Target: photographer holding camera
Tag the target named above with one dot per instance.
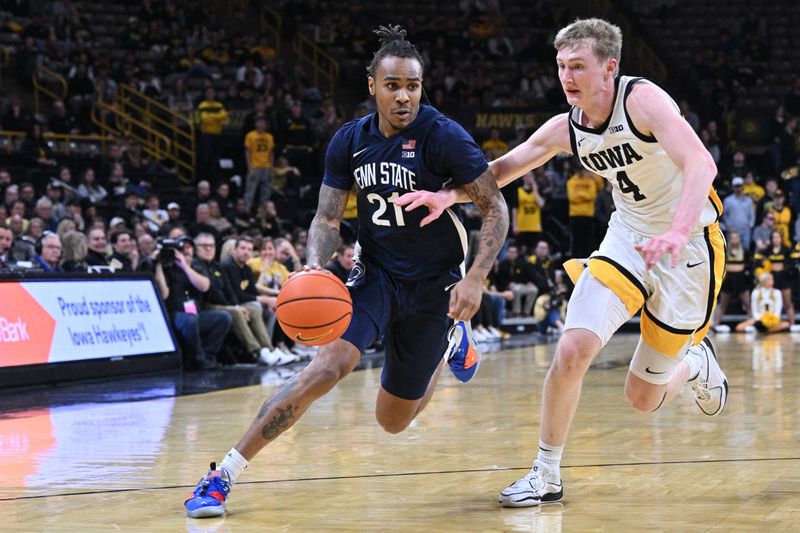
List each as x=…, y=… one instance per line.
x=183, y=290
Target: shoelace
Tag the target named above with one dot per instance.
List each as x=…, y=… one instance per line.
x=700, y=389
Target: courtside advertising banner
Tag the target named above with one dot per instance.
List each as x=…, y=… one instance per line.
x=51, y=321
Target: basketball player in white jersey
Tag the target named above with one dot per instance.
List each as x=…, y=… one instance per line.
x=663, y=253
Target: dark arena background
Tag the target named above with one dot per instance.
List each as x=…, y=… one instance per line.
x=128, y=131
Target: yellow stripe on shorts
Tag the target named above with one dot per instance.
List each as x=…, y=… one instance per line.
x=661, y=337
x=716, y=255
x=620, y=281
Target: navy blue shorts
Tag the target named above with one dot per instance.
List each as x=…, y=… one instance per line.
x=410, y=316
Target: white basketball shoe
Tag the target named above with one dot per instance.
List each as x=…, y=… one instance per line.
x=710, y=386
x=537, y=487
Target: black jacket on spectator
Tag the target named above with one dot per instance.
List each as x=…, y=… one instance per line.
x=338, y=270
x=181, y=290
x=96, y=259
x=125, y=261
x=241, y=280
x=221, y=292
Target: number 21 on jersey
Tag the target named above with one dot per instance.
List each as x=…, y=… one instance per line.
x=380, y=217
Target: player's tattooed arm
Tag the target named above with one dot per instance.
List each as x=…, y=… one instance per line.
x=487, y=197
x=323, y=235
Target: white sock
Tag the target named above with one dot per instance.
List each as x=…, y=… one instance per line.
x=551, y=456
x=233, y=464
x=694, y=359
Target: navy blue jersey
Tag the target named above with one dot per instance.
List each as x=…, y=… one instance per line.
x=431, y=151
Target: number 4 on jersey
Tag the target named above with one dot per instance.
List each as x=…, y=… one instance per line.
x=626, y=186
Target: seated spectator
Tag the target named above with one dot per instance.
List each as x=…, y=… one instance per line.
x=73, y=258
x=736, y=283
x=156, y=217
x=521, y=282
x=248, y=324
x=98, y=253
x=62, y=121
x=44, y=210
x=342, y=262
x=173, y=218
x=285, y=177
x=122, y=245
x=215, y=218
x=767, y=304
x=783, y=217
x=6, y=242
x=64, y=226
x=762, y=232
x=48, y=253
x=268, y=221
x=202, y=332
x=146, y=246
x=287, y=254
x=54, y=194
x=551, y=308
x=777, y=259
x=494, y=146
x=242, y=220
x=241, y=279
x=224, y=199
x=36, y=150
x=202, y=222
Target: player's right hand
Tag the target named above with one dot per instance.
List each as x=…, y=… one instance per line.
x=436, y=202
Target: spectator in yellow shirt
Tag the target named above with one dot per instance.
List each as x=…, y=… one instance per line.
x=581, y=194
x=494, y=146
x=212, y=116
x=753, y=189
x=259, y=147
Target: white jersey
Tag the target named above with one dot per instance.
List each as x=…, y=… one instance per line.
x=765, y=300
x=647, y=184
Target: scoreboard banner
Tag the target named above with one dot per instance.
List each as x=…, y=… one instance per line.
x=53, y=321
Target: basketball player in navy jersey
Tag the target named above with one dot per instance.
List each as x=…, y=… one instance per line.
x=407, y=285
x=663, y=252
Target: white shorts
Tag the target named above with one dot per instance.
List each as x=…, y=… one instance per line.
x=676, y=303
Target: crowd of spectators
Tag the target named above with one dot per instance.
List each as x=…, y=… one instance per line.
x=109, y=210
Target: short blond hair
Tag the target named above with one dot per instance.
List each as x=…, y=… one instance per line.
x=605, y=38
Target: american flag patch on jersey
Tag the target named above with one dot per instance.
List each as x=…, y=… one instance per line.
x=410, y=144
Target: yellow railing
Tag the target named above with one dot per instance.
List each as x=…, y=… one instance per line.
x=179, y=129
x=272, y=23
x=163, y=133
x=42, y=76
x=324, y=67
x=63, y=143
x=113, y=122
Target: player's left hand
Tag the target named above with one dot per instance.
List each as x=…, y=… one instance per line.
x=436, y=202
x=465, y=299
x=671, y=242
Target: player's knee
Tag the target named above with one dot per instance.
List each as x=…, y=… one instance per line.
x=392, y=425
x=572, y=356
x=644, y=400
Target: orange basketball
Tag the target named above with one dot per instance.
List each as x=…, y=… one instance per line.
x=314, y=307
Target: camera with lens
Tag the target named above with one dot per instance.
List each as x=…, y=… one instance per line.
x=166, y=250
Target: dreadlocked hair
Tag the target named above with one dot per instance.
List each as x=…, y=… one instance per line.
x=393, y=43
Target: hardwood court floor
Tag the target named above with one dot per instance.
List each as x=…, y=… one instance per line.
x=129, y=465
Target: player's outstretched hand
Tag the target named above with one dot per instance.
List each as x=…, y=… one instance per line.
x=436, y=202
x=465, y=299
x=671, y=242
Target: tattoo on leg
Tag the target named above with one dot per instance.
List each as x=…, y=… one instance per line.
x=279, y=395
x=279, y=423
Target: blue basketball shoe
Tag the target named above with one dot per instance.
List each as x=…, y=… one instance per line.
x=462, y=352
x=208, y=499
